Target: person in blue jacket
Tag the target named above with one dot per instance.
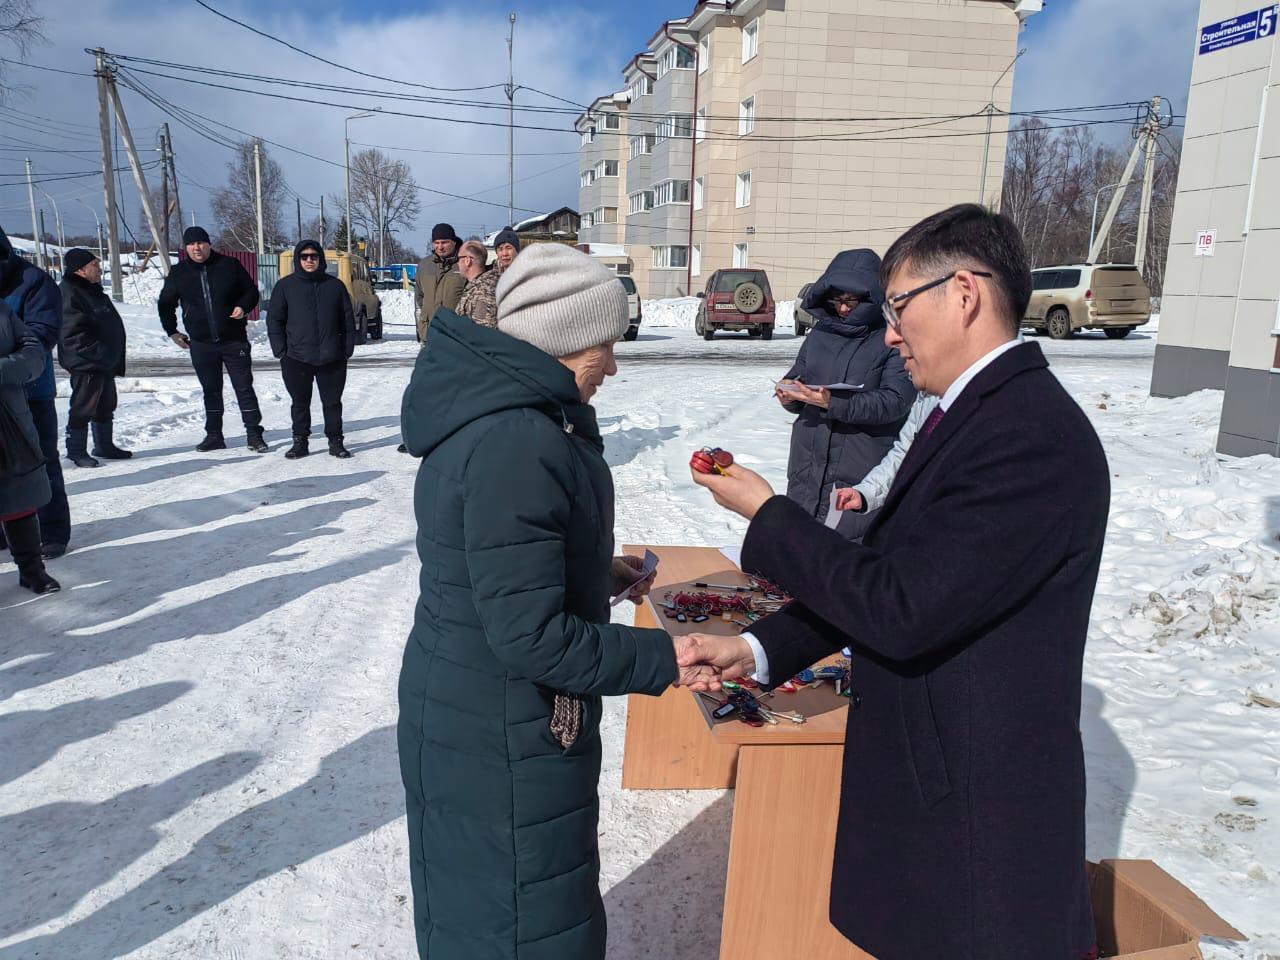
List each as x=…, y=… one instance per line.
x=34, y=297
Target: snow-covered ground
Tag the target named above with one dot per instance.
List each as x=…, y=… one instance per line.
x=199, y=730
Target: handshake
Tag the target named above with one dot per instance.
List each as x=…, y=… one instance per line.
x=706, y=661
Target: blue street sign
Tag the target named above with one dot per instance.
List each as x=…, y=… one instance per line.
x=1249, y=26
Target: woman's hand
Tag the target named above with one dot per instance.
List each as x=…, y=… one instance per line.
x=816, y=397
x=625, y=569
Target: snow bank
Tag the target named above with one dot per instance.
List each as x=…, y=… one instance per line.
x=142, y=287
x=397, y=307
x=679, y=313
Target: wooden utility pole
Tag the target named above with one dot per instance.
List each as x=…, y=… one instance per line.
x=257, y=179
x=298, y=201
x=139, y=179
x=108, y=176
x=43, y=248
x=36, y=233
x=164, y=195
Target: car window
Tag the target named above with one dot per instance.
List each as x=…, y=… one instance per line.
x=730, y=280
x=1068, y=279
x=628, y=284
x=1044, y=279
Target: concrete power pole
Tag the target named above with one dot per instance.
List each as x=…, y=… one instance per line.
x=164, y=195
x=102, y=72
x=36, y=235
x=139, y=179
x=1151, y=133
x=257, y=180
x=1146, y=135
x=172, y=167
x=322, y=223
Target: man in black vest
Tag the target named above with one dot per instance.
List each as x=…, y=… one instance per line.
x=91, y=349
x=313, y=333
x=217, y=295
x=961, y=818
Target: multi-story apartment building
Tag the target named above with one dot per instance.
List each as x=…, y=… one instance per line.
x=775, y=133
x=602, y=184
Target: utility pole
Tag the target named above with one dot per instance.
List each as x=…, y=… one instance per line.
x=139, y=179
x=173, y=175
x=323, y=234
x=36, y=234
x=382, y=226
x=102, y=72
x=97, y=221
x=991, y=109
x=257, y=182
x=1151, y=133
x=298, y=201
x=346, y=126
x=62, y=235
x=511, y=122
x=1146, y=135
x=164, y=194
x=43, y=247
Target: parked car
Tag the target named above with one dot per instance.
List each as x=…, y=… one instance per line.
x=353, y=270
x=1111, y=297
x=633, y=308
x=737, y=299
x=804, y=319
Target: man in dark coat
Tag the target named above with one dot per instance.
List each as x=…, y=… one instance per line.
x=34, y=297
x=216, y=295
x=961, y=819
x=313, y=334
x=839, y=435
x=91, y=349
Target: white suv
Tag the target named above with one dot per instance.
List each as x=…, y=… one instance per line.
x=1111, y=297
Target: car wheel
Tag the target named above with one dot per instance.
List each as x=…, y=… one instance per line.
x=1117, y=333
x=801, y=330
x=766, y=333
x=754, y=333
x=375, y=328
x=631, y=334
x=708, y=332
x=362, y=327
x=1058, y=324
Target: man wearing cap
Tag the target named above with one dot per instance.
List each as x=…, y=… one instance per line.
x=439, y=283
x=505, y=247
x=91, y=349
x=216, y=294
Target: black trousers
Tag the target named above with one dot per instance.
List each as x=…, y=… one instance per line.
x=55, y=516
x=93, y=399
x=209, y=360
x=298, y=379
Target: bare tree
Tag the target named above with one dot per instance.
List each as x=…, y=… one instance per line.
x=234, y=207
x=384, y=196
x=22, y=28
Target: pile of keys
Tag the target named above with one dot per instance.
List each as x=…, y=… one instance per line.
x=837, y=673
x=701, y=607
x=747, y=707
x=711, y=460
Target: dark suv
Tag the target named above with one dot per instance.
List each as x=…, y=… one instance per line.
x=736, y=299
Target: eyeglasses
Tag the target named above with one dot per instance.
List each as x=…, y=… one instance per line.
x=846, y=300
x=310, y=256
x=893, y=304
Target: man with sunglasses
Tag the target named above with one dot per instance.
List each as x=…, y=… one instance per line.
x=961, y=826
x=217, y=295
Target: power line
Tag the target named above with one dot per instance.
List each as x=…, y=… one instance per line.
x=464, y=153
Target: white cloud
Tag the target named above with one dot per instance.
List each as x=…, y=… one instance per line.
x=446, y=50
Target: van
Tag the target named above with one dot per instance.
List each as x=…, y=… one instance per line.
x=353, y=270
x=1111, y=297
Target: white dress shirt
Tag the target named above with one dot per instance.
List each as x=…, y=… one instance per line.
x=957, y=387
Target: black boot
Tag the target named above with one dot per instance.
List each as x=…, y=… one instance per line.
x=336, y=449
x=77, y=447
x=301, y=447
x=255, y=440
x=211, y=441
x=104, y=445
x=402, y=449
x=52, y=551
x=24, y=542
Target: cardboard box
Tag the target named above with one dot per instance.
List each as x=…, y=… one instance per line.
x=1142, y=913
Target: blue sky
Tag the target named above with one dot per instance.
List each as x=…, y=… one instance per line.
x=1079, y=52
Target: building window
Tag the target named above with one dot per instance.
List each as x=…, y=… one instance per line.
x=639, y=202
x=739, y=254
x=587, y=178
x=695, y=259
x=588, y=136
x=746, y=116
x=612, y=121
x=606, y=168
x=700, y=128
x=743, y=198
x=587, y=221
x=641, y=86
x=604, y=215
x=750, y=40
x=674, y=58
x=698, y=198
x=678, y=125
x=704, y=54
x=671, y=191
x=641, y=145
x=670, y=258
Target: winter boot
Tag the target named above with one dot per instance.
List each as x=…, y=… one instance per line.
x=336, y=449
x=24, y=542
x=211, y=441
x=77, y=444
x=255, y=440
x=402, y=449
x=301, y=447
x=52, y=551
x=103, y=444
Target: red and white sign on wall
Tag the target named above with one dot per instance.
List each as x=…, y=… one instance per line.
x=1206, y=240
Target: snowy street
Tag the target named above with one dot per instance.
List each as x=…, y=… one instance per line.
x=199, y=731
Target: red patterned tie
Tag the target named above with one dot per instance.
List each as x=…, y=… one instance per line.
x=935, y=418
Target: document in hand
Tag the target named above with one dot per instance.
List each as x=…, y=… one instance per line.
x=798, y=388
x=650, y=565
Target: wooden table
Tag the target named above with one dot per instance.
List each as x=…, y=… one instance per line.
x=786, y=780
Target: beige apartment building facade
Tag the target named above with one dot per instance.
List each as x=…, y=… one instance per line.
x=1220, y=313
x=774, y=133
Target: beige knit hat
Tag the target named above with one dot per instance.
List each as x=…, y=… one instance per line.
x=560, y=300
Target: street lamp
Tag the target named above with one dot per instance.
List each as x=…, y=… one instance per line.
x=96, y=220
x=991, y=109
x=347, y=133
x=62, y=237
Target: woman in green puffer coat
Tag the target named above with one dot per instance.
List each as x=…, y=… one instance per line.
x=512, y=648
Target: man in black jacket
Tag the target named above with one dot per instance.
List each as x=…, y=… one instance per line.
x=313, y=333
x=91, y=348
x=216, y=294
x=961, y=818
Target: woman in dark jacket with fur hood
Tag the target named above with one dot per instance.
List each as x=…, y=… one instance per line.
x=841, y=432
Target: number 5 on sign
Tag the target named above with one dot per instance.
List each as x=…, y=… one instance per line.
x=1267, y=20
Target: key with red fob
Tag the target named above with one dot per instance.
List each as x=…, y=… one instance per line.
x=711, y=460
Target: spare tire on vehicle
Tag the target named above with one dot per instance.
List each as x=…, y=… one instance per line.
x=748, y=297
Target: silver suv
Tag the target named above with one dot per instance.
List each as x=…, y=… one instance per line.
x=1110, y=297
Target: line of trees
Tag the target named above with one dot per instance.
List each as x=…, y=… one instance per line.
x=1051, y=180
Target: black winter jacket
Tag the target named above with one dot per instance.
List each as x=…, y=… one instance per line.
x=213, y=288
x=841, y=444
x=310, y=318
x=92, y=338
